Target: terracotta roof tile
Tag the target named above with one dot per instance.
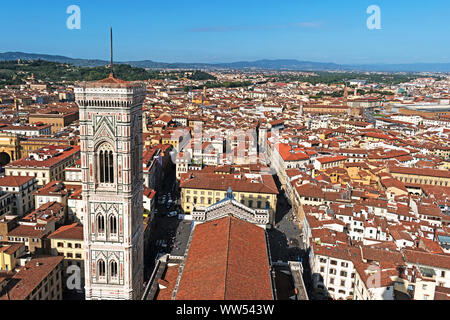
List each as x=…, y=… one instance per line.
x=227, y=260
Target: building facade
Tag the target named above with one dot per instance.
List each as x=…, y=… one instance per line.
x=21, y=188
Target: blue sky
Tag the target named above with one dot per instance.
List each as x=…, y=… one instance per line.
x=232, y=30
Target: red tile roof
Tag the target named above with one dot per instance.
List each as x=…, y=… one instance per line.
x=227, y=260
x=26, y=232
x=332, y=159
x=211, y=181
x=427, y=259
x=47, y=163
x=290, y=154
x=72, y=232
x=420, y=172
x=168, y=281
x=31, y=275
x=14, y=181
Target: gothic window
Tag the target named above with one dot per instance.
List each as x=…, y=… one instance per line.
x=100, y=224
x=113, y=269
x=113, y=224
x=135, y=159
x=101, y=268
x=105, y=164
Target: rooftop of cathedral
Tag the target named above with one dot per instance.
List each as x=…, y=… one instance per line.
x=227, y=259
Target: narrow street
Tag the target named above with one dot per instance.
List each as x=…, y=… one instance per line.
x=167, y=234
x=286, y=238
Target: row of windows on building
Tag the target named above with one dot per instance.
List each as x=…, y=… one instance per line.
x=47, y=284
x=24, y=240
x=209, y=202
x=70, y=255
x=424, y=181
x=334, y=262
x=210, y=193
x=69, y=245
x=333, y=272
x=30, y=174
x=340, y=291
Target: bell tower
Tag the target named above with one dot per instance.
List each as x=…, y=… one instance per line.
x=112, y=186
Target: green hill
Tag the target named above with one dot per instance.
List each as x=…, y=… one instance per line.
x=12, y=72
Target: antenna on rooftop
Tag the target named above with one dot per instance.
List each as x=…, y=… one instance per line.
x=112, y=64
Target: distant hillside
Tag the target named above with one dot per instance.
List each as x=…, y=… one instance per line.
x=52, y=58
x=415, y=67
x=278, y=64
x=13, y=73
x=282, y=65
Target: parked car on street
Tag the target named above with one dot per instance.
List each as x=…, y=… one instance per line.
x=172, y=214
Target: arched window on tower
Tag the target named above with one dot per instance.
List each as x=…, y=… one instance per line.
x=113, y=269
x=111, y=167
x=101, y=268
x=113, y=225
x=135, y=160
x=101, y=167
x=100, y=224
x=105, y=164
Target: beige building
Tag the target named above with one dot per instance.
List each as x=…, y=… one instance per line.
x=206, y=189
x=416, y=284
x=21, y=189
x=57, y=120
x=46, y=164
x=68, y=242
x=10, y=149
x=421, y=176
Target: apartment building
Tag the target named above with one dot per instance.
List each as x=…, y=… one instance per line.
x=438, y=263
x=6, y=201
x=55, y=191
x=22, y=189
x=421, y=175
x=256, y=191
x=9, y=255
x=46, y=164
x=67, y=241
x=56, y=120
x=333, y=271
x=39, y=279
